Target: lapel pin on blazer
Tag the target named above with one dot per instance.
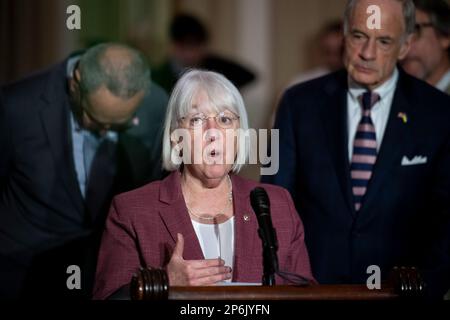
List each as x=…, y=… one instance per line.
x=246, y=217
x=403, y=116
x=135, y=121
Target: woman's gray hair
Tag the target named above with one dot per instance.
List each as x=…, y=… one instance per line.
x=124, y=79
x=409, y=15
x=222, y=94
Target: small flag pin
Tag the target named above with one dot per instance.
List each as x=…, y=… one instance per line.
x=403, y=116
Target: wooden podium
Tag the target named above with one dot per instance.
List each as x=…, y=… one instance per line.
x=153, y=285
x=313, y=292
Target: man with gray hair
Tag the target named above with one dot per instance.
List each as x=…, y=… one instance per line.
x=365, y=153
x=429, y=57
x=72, y=137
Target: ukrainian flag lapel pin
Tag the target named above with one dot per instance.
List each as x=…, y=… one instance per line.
x=403, y=116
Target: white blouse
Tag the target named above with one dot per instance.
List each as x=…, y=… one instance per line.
x=216, y=240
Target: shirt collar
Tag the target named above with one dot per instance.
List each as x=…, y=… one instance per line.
x=444, y=82
x=75, y=125
x=383, y=90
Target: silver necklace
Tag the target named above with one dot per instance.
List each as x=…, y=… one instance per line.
x=222, y=212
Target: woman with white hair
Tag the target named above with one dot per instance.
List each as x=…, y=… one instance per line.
x=198, y=222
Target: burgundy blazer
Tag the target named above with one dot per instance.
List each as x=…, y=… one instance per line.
x=142, y=226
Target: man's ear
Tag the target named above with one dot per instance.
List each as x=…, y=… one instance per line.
x=74, y=82
x=73, y=86
x=406, y=45
x=77, y=75
x=444, y=41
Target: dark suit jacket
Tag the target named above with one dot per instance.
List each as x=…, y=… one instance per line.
x=406, y=210
x=41, y=206
x=142, y=226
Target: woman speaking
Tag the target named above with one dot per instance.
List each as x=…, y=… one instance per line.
x=198, y=223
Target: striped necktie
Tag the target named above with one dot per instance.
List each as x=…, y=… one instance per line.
x=364, y=150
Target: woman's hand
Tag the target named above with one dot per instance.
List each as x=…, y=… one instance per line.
x=195, y=272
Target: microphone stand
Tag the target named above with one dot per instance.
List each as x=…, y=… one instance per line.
x=261, y=205
x=270, y=262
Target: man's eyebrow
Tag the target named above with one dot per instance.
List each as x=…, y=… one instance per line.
x=355, y=30
x=385, y=38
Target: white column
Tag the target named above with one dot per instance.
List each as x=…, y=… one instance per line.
x=254, y=47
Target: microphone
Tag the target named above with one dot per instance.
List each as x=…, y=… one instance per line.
x=261, y=205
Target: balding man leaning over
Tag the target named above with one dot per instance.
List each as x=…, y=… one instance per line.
x=71, y=138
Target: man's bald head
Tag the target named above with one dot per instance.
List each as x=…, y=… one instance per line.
x=121, y=69
x=108, y=86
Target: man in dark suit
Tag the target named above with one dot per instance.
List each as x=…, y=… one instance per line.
x=365, y=153
x=71, y=138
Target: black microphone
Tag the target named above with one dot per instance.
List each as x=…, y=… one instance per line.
x=261, y=205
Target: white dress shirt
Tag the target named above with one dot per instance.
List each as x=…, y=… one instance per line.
x=216, y=240
x=380, y=111
x=444, y=83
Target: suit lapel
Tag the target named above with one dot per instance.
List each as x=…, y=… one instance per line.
x=245, y=228
x=334, y=117
x=176, y=217
x=56, y=121
x=126, y=175
x=392, y=147
x=133, y=162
